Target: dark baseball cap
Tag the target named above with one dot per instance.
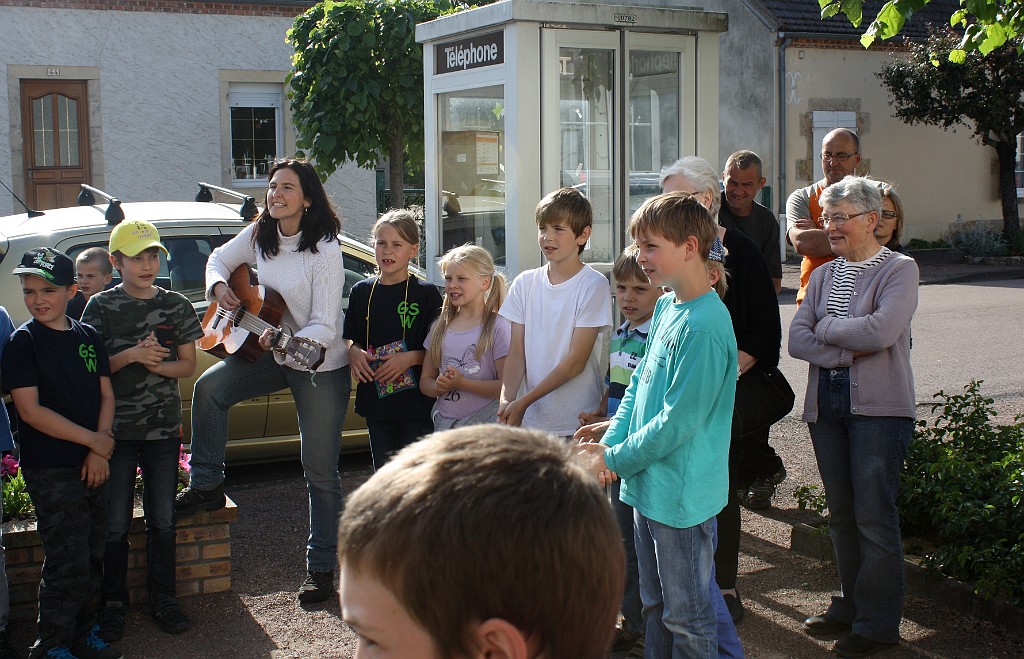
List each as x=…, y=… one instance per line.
x=52, y=265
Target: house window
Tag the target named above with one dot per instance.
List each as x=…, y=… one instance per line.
x=825, y=123
x=256, y=130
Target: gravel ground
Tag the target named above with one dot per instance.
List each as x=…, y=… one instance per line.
x=261, y=618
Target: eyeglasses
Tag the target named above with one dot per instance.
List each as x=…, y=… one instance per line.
x=839, y=219
x=888, y=215
x=837, y=157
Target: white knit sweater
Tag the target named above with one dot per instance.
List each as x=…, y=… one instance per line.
x=310, y=283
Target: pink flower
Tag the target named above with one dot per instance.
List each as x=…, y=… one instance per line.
x=9, y=466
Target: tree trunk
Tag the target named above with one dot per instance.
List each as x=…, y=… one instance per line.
x=1008, y=191
x=396, y=170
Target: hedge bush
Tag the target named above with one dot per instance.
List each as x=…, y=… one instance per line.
x=962, y=492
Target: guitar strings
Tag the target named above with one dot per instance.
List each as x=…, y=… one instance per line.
x=249, y=322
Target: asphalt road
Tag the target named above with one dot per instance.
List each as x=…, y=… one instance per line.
x=961, y=332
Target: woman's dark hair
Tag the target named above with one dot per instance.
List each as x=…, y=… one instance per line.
x=318, y=223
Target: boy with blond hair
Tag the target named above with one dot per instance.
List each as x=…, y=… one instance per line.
x=558, y=311
x=150, y=335
x=439, y=551
x=669, y=439
x=57, y=372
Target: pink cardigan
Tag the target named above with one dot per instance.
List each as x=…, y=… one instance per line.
x=883, y=303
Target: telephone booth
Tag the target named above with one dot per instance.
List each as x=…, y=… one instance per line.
x=523, y=97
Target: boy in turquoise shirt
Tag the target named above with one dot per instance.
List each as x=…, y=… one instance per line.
x=669, y=439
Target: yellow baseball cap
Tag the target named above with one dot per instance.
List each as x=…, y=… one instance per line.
x=133, y=236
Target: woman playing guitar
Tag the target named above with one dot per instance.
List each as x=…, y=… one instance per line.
x=294, y=244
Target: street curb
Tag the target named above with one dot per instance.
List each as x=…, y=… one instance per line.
x=808, y=541
x=987, y=275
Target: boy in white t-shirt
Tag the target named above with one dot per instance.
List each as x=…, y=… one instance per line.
x=557, y=312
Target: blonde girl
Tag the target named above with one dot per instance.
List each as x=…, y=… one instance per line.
x=468, y=343
x=387, y=322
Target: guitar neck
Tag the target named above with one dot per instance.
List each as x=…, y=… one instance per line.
x=250, y=322
x=304, y=351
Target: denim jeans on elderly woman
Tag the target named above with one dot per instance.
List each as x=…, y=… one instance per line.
x=860, y=459
x=320, y=402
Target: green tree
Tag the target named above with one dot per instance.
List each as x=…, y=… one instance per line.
x=356, y=85
x=986, y=24
x=985, y=93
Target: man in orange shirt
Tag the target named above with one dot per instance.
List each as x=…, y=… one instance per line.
x=840, y=156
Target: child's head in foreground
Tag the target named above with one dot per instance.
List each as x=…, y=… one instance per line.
x=475, y=541
x=566, y=207
x=94, y=271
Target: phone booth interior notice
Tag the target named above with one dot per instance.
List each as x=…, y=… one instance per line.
x=522, y=97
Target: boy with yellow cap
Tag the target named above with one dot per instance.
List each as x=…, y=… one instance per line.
x=150, y=334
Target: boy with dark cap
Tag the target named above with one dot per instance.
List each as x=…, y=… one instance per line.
x=57, y=372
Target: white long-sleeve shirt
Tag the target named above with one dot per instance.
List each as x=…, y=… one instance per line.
x=310, y=282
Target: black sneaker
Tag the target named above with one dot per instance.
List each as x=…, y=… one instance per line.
x=735, y=606
x=171, y=618
x=318, y=587
x=624, y=640
x=638, y=649
x=94, y=647
x=7, y=650
x=110, y=620
x=759, y=495
x=191, y=500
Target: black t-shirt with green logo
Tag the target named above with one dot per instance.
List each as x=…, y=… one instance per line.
x=394, y=316
x=65, y=367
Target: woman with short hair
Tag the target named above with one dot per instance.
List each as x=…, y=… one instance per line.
x=854, y=331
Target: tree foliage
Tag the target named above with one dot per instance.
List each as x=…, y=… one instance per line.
x=985, y=93
x=986, y=24
x=356, y=85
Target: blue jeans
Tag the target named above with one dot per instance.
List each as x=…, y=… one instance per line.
x=729, y=646
x=675, y=574
x=320, y=402
x=631, y=607
x=159, y=462
x=860, y=458
x=388, y=436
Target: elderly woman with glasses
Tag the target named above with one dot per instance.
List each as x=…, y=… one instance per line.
x=890, y=222
x=854, y=330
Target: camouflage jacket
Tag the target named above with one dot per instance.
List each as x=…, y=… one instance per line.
x=148, y=405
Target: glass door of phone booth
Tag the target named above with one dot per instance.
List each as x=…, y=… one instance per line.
x=622, y=115
x=517, y=108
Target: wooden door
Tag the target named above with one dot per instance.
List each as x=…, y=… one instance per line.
x=55, y=128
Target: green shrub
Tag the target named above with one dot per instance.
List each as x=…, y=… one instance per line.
x=16, y=502
x=974, y=238
x=962, y=490
x=812, y=497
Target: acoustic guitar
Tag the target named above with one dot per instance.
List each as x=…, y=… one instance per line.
x=237, y=331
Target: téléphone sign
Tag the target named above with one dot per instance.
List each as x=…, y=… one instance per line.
x=472, y=53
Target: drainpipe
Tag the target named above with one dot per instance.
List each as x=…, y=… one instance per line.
x=783, y=193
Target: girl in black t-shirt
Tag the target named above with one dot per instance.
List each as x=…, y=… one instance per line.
x=388, y=318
